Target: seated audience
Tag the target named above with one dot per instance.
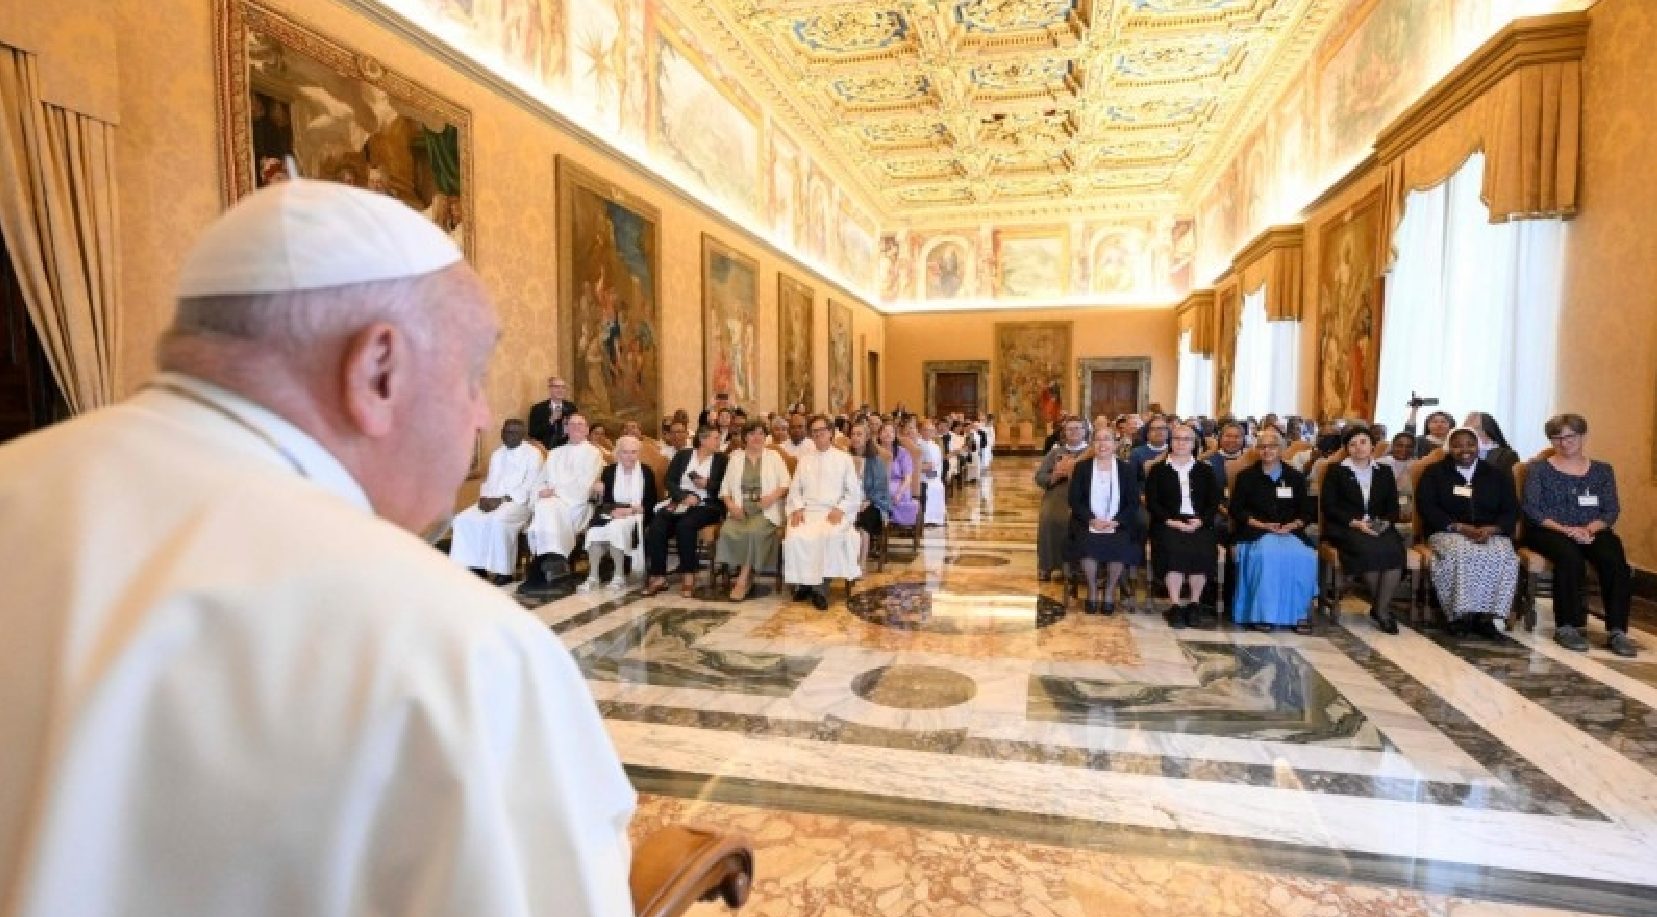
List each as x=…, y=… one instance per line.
x=1104, y=520
x=1182, y=496
x=694, y=479
x=1054, y=437
x=1229, y=449
x=900, y=485
x=625, y=504
x=1053, y=477
x=563, y=503
x=484, y=538
x=1360, y=519
x=675, y=440
x=931, y=470
x=1439, y=425
x=1570, y=505
x=1493, y=446
x=1277, y=569
x=756, y=481
x=1467, y=510
x=986, y=442
x=599, y=436
x=1154, y=447
x=871, y=464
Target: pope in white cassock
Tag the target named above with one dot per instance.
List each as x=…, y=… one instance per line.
x=235, y=680
x=563, y=498
x=822, y=541
x=485, y=536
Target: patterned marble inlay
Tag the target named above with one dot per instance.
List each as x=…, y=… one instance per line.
x=978, y=560
x=954, y=610
x=914, y=687
x=660, y=649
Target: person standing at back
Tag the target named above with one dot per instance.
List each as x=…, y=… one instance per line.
x=547, y=418
x=236, y=681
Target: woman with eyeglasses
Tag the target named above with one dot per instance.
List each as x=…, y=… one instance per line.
x=1467, y=509
x=1570, y=505
x=1182, y=497
x=1277, y=570
x=1104, y=519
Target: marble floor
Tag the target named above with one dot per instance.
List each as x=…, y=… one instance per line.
x=957, y=739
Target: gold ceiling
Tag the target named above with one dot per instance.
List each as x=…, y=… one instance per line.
x=946, y=111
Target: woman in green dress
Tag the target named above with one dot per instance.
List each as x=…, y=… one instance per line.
x=756, y=480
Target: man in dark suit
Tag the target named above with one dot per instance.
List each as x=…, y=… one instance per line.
x=546, y=418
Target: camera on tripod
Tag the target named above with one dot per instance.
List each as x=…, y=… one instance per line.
x=1416, y=401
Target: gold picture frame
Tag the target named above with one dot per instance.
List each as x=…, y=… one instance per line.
x=730, y=323
x=796, y=335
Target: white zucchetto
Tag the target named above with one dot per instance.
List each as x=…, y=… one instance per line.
x=312, y=235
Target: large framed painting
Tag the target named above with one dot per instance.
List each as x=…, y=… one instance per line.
x=286, y=92
x=1032, y=361
x=839, y=358
x=1378, y=60
x=730, y=322
x=1350, y=294
x=796, y=315
x=1032, y=263
x=609, y=298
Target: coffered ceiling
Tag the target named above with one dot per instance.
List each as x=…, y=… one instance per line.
x=943, y=111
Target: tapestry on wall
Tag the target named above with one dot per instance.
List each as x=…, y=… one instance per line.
x=795, y=316
x=286, y=91
x=1031, y=360
x=840, y=359
x=609, y=336
x=1366, y=76
x=730, y=323
x=1350, y=290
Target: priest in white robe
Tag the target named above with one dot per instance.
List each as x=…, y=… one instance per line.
x=822, y=542
x=563, y=499
x=986, y=451
x=932, y=464
x=485, y=536
x=236, y=680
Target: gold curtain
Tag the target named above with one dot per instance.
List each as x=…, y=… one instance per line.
x=1228, y=308
x=1518, y=99
x=1196, y=315
x=1276, y=260
x=58, y=215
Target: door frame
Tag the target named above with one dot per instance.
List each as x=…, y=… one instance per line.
x=931, y=368
x=1086, y=366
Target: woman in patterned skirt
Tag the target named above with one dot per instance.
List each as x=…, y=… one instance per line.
x=1468, y=510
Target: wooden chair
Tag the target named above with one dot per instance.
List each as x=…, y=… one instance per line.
x=1532, y=564
x=1331, y=577
x=917, y=489
x=679, y=866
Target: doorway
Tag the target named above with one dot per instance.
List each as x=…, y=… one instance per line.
x=1114, y=385
x=29, y=396
x=871, y=381
x=955, y=386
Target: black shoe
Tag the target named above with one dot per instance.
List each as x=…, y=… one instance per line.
x=1107, y=608
x=819, y=600
x=800, y=593
x=1457, y=628
x=1197, y=615
x=500, y=579
x=1485, y=627
x=1175, y=616
x=1384, y=622
x=553, y=567
x=1090, y=607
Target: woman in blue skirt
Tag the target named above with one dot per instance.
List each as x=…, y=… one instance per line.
x=1277, y=568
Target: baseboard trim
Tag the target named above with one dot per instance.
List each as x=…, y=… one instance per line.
x=1645, y=584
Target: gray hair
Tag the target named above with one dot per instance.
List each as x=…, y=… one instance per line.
x=295, y=320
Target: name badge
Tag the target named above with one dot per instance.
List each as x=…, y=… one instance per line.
x=1463, y=490
x=1588, y=500
x=1285, y=492
x=1403, y=500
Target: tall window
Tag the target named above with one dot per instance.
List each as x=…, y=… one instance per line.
x=1472, y=311
x=1195, y=395
x=1266, y=373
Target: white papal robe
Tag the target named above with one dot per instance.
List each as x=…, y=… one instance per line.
x=570, y=472
x=817, y=549
x=934, y=510
x=489, y=541
x=231, y=689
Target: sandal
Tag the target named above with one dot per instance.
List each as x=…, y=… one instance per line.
x=655, y=585
x=687, y=589
x=740, y=590
x=1304, y=628
x=1261, y=628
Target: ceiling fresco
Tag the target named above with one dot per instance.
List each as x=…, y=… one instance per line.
x=938, y=111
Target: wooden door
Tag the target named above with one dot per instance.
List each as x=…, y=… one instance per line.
x=955, y=392
x=1113, y=392
x=29, y=397
x=871, y=384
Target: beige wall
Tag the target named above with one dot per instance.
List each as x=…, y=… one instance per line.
x=1608, y=353
x=1100, y=332
x=170, y=189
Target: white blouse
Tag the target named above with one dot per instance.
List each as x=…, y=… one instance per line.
x=629, y=487
x=697, y=465
x=1365, y=474
x=1184, y=473
x=1107, y=496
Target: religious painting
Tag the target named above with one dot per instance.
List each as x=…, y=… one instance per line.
x=817, y=209
x=1032, y=360
x=287, y=93
x=1371, y=72
x=1032, y=263
x=839, y=358
x=730, y=323
x=948, y=263
x=1178, y=275
x=783, y=173
x=609, y=262
x=1227, y=304
x=1350, y=289
x=892, y=277
x=796, y=314
x=857, y=245
x=1118, y=261
x=607, y=82
x=700, y=131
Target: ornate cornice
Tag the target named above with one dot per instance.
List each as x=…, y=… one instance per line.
x=1292, y=236
x=1196, y=299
